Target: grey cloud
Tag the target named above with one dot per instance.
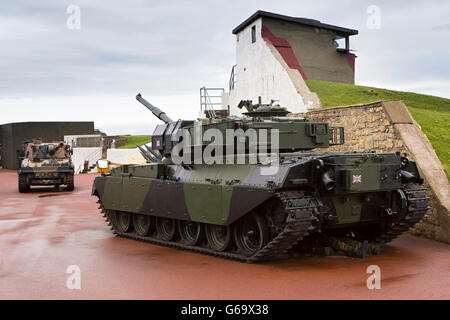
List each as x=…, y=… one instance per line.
x=442, y=27
x=175, y=47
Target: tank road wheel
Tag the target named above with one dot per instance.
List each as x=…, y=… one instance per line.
x=167, y=228
x=191, y=232
x=251, y=234
x=23, y=185
x=70, y=182
x=123, y=221
x=143, y=224
x=219, y=237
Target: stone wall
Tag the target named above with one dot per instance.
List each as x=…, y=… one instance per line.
x=105, y=141
x=387, y=126
x=366, y=127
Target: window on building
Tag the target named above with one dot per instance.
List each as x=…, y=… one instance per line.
x=253, y=34
x=340, y=43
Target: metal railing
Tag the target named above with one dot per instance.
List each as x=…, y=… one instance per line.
x=232, y=80
x=92, y=159
x=210, y=97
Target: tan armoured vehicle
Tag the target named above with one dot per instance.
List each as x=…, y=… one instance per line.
x=44, y=164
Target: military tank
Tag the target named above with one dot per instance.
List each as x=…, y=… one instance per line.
x=44, y=164
x=255, y=210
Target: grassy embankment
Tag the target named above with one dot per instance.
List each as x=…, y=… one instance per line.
x=133, y=141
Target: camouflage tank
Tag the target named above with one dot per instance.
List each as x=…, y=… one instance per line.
x=256, y=211
x=46, y=163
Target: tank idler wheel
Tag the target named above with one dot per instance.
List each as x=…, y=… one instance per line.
x=166, y=228
x=219, y=237
x=277, y=217
x=251, y=234
x=191, y=232
x=23, y=185
x=70, y=183
x=123, y=221
x=143, y=224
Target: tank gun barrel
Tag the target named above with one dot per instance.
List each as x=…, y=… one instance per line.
x=161, y=115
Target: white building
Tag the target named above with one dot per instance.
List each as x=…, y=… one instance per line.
x=275, y=54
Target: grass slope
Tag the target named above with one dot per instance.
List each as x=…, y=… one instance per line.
x=133, y=141
x=432, y=113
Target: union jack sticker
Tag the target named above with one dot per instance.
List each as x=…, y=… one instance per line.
x=158, y=143
x=357, y=178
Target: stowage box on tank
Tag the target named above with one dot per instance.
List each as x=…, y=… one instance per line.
x=255, y=211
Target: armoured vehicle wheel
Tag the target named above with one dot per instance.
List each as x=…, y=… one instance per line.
x=251, y=234
x=123, y=221
x=70, y=183
x=167, y=228
x=23, y=186
x=143, y=224
x=191, y=232
x=219, y=237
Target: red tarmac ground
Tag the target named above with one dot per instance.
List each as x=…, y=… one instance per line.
x=43, y=232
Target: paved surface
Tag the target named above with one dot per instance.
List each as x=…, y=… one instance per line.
x=43, y=232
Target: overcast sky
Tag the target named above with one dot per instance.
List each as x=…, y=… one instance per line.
x=167, y=50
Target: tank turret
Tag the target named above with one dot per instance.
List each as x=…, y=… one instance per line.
x=261, y=121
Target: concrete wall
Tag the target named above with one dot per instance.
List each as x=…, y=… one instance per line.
x=72, y=140
x=14, y=134
x=98, y=141
x=9, y=158
x=261, y=71
x=314, y=50
x=81, y=154
x=387, y=126
x=125, y=156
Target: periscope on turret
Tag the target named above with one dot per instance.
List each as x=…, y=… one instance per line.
x=207, y=187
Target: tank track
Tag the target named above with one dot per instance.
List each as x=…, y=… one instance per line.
x=417, y=206
x=300, y=210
